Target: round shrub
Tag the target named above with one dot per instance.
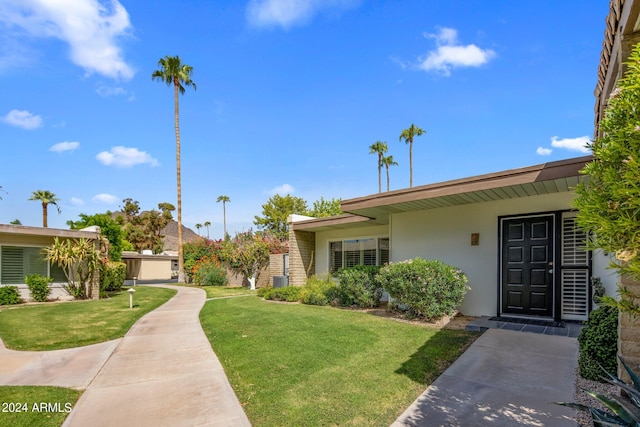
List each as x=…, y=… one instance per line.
x=357, y=286
x=318, y=291
x=9, y=295
x=599, y=344
x=39, y=286
x=427, y=288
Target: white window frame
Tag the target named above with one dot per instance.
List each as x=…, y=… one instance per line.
x=362, y=239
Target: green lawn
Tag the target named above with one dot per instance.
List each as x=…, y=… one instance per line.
x=220, y=291
x=27, y=406
x=294, y=364
x=53, y=326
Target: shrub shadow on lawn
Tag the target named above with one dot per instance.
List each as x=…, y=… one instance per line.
x=436, y=355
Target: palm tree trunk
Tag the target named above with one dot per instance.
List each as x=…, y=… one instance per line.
x=410, y=163
x=181, y=277
x=44, y=215
x=387, y=177
x=379, y=172
x=224, y=219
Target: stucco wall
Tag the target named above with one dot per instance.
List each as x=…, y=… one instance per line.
x=445, y=234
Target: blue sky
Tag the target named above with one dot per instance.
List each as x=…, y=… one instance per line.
x=290, y=95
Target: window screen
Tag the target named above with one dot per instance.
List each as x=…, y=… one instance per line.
x=19, y=262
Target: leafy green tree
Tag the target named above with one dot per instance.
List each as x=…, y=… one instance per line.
x=408, y=135
x=224, y=199
x=15, y=222
x=144, y=229
x=110, y=228
x=275, y=213
x=198, y=227
x=46, y=198
x=173, y=72
x=388, y=161
x=379, y=148
x=609, y=203
x=323, y=208
x=207, y=224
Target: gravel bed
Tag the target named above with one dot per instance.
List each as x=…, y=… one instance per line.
x=583, y=418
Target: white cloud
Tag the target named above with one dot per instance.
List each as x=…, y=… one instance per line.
x=288, y=13
x=23, y=119
x=91, y=28
x=108, y=199
x=282, y=190
x=107, y=91
x=125, y=157
x=450, y=54
x=75, y=201
x=572, y=144
x=64, y=146
x=544, y=151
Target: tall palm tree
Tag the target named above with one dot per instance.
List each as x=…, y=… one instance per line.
x=207, y=224
x=198, y=227
x=408, y=135
x=224, y=200
x=388, y=161
x=173, y=72
x=47, y=198
x=380, y=147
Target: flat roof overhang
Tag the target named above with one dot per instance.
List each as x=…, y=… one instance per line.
x=546, y=178
x=22, y=230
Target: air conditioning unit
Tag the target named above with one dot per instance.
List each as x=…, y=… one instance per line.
x=280, y=281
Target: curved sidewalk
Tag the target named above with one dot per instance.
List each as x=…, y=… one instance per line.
x=162, y=373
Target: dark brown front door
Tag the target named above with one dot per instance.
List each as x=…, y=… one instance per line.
x=527, y=266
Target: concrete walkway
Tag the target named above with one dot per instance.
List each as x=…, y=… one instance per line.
x=505, y=378
x=162, y=373
x=71, y=368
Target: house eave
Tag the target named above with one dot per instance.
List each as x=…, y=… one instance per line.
x=22, y=230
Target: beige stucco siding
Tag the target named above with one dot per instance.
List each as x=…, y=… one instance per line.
x=445, y=234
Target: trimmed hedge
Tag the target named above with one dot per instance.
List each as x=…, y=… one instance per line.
x=357, y=286
x=318, y=291
x=289, y=294
x=599, y=344
x=424, y=288
x=9, y=295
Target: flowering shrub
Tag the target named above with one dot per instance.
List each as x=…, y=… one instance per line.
x=208, y=272
x=426, y=288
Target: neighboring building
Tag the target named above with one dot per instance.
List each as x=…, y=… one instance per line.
x=147, y=266
x=513, y=233
x=21, y=255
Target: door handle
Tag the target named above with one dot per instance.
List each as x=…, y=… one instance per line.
x=551, y=271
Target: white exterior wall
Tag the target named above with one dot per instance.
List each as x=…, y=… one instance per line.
x=445, y=234
x=324, y=237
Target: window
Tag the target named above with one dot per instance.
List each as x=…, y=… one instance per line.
x=19, y=262
x=349, y=253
